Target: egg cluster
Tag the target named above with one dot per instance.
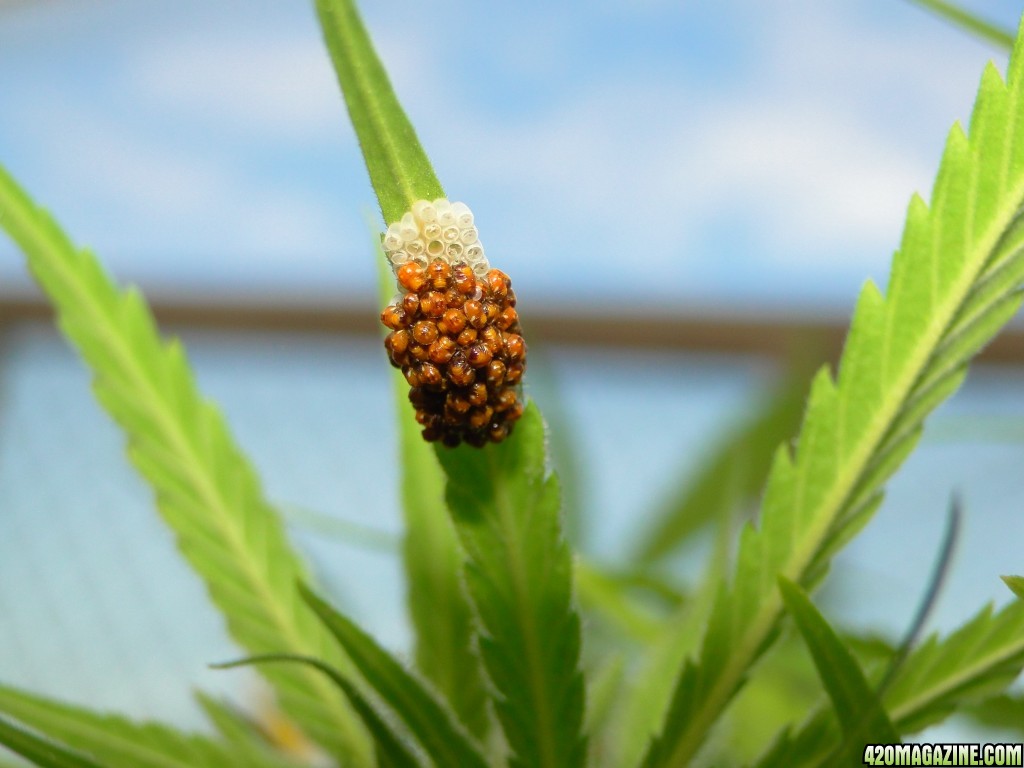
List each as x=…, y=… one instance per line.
x=436, y=229
x=455, y=335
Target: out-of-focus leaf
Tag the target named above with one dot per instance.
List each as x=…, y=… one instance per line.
x=857, y=708
x=41, y=752
x=429, y=719
x=734, y=471
x=970, y=21
x=391, y=749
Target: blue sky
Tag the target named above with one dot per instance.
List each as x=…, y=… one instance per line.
x=691, y=153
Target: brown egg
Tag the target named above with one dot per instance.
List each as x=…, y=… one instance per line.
x=394, y=317
x=438, y=272
x=478, y=355
x=460, y=372
x=452, y=322
x=411, y=277
x=424, y=332
x=441, y=350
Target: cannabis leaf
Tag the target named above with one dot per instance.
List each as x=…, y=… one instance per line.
x=953, y=285
x=206, y=489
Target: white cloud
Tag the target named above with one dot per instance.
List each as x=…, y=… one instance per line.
x=278, y=85
x=148, y=195
x=813, y=151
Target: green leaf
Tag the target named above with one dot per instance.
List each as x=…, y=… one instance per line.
x=391, y=749
x=39, y=751
x=735, y=471
x=399, y=170
x=976, y=662
x=205, y=488
x=857, y=708
x=428, y=718
x=120, y=742
x=505, y=505
x=812, y=745
x=953, y=285
x=1016, y=584
x=604, y=595
x=970, y=22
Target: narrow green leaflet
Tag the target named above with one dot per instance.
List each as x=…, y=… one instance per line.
x=969, y=21
x=977, y=661
x=1016, y=585
x=399, y=169
x=426, y=715
x=206, y=489
x=735, y=471
x=41, y=752
x=858, y=711
x=966, y=668
x=602, y=595
x=953, y=286
x=505, y=505
x=391, y=749
x=440, y=610
x=119, y=742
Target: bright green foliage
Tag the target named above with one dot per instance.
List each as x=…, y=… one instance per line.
x=205, y=487
x=117, y=741
x=426, y=715
x=506, y=510
x=952, y=287
x=857, y=708
x=41, y=752
x=399, y=169
x=390, y=747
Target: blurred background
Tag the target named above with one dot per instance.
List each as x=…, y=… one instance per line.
x=687, y=195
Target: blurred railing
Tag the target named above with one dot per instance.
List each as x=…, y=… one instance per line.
x=774, y=336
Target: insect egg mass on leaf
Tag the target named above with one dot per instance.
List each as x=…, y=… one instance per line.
x=454, y=330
